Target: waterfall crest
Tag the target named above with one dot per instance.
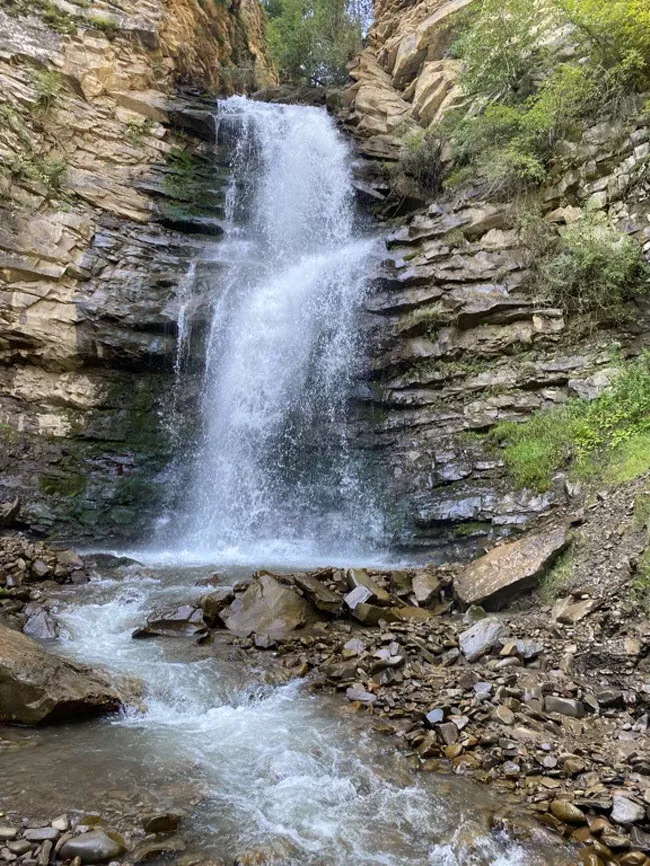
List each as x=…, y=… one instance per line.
x=273, y=472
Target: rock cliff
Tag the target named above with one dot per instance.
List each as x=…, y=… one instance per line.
x=457, y=342
x=105, y=193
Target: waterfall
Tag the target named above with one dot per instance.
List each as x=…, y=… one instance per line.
x=273, y=473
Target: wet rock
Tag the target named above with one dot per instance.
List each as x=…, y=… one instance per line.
x=163, y=822
x=357, y=577
x=40, y=623
x=183, y=621
x=7, y=833
x=640, y=839
x=370, y=614
x=269, y=608
x=567, y=812
x=626, y=811
x=214, y=602
x=564, y=706
x=448, y=733
x=318, y=594
x=510, y=568
x=480, y=638
x=96, y=846
x=156, y=848
x=9, y=511
x=37, y=686
x=19, y=846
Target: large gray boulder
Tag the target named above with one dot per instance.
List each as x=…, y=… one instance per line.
x=267, y=607
x=37, y=686
x=510, y=568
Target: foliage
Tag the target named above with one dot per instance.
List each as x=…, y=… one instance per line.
x=420, y=158
x=105, y=24
x=312, y=40
x=607, y=437
x=137, y=130
x=46, y=10
x=48, y=84
x=592, y=269
x=32, y=169
x=523, y=100
x=558, y=578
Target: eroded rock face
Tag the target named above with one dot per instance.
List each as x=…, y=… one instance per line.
x=510, y=568
x=267, y=607
x=97, y=229
x=37, y=687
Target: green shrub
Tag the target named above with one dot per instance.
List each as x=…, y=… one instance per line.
x=592, y=269
x=420, y=159
x=607, y=437
x=48, y=84
x=105, y=24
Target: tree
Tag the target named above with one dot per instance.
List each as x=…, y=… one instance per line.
x=313, y=40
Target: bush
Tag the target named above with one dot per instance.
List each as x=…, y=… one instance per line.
x=607, y=437
x=523, y=100
x=48, y=85
x=420, y=159
x=592, y=270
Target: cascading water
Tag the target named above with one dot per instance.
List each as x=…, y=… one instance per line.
x=274, y=477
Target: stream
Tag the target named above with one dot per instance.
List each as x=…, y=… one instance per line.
x=246, y=763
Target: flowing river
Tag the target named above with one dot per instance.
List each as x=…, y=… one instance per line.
x=247, y=760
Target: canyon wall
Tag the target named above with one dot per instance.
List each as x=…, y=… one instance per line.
x=108, y=188
x=457, y=342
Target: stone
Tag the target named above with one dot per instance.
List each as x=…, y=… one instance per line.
x=269, y=608
x=567, y=812
x=156, y=848
x=509, y=569
x=564, y=706
x=504, y=715
x=214, y=602
x=7, y=833
x=435, y=717
x=357, y=577
x=569, y=612
x=359, y=595
x=40, y=623
x=354, y=694
x=448, y=733
x=37, y=686
x=96, y=846
x=42, y=834
x=426, y=587
x=163, y=822
x=318, y=594
x=371, y=614
x=640, y=839
x=183, y=621
x=480, y=638
x=626, y=811
x=19, y=846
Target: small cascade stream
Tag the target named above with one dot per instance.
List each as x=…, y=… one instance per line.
x=248, y=764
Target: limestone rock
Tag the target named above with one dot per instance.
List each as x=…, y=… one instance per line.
x=482, y=637
x=37, y=686
x=267, y=607
x=510, y=568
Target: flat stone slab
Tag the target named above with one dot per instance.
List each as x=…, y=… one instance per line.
x=510, y=568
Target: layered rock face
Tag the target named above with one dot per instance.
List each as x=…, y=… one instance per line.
x=458, y=343
x=107, y=189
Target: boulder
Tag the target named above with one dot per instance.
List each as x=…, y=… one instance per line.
x=359, y=577
x=37, y=686
x=268, y=608
x=318, y=594
x=95, y=846
x=569, y=612
x=183, y=621
x=214, y=602
x=510, y=568
x=426, y=587
x=480, y=638
x=40, y=623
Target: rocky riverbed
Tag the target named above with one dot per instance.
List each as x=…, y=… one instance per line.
x=472, y=672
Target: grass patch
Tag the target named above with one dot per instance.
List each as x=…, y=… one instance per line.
x=137, y=130
x=48, y=85
x=558, y=579
x=605, y=438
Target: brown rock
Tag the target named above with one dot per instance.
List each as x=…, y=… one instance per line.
x=269, y=608
x=37, y=686
x=510, y=568
x=567, y=812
